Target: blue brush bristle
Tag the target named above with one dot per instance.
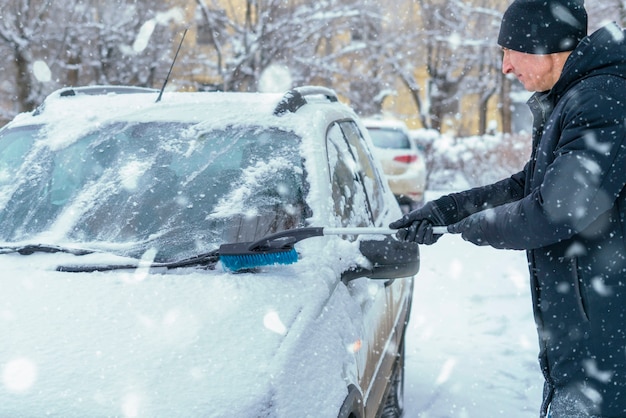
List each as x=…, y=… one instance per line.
x=237, y=262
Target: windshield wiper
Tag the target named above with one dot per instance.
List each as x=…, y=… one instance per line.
x=28, y=249
x=207, y=260
x=276, y=248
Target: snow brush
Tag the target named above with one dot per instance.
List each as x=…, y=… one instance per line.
x=279, y=248
x=273, y=249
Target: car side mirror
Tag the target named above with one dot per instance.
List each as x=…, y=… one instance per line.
x=390, y=259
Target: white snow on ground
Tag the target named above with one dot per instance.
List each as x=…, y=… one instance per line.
x=471, y=344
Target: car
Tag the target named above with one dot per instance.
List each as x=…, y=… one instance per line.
x=147, y=258
x=403, y=162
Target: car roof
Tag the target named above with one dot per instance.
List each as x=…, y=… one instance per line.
x=98, y=104
x=71, y=113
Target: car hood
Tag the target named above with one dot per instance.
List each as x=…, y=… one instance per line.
x=188, y=343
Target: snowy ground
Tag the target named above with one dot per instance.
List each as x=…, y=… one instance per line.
x=471, y=343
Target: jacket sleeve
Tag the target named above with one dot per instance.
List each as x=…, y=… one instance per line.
x=580, y=184
x=480, y=198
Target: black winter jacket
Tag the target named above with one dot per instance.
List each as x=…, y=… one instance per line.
x=567, y=209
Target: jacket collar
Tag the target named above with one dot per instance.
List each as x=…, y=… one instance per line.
x=601, y=53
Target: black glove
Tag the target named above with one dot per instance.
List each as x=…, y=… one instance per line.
x=470, y=229
x=418, y=225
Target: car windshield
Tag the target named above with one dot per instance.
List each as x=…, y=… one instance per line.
x=179, y=189
x=389, y=138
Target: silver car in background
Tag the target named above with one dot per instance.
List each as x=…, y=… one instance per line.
x=402, y=161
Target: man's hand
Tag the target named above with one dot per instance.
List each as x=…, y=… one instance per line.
x=418, y=225
x=470, y=229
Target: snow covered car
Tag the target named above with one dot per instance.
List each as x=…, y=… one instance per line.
x=117, y=215
x=402, y=161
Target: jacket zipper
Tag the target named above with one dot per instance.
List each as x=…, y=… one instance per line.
x=578, y=289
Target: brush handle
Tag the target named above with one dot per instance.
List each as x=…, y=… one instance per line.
x=279, y=241
x=359, y=231
x=438, y=230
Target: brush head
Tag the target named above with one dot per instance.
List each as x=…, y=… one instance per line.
x=239, y=256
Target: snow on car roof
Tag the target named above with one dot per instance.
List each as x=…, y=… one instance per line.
x=74, y=116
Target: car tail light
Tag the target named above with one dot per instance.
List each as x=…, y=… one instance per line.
x=406, y=159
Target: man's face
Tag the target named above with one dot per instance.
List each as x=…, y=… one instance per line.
x=535, y=72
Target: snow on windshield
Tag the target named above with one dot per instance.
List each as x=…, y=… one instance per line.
x=146, y=182
x=249, y=185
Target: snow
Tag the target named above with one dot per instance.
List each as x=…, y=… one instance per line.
x=41, y=71
x=147, y=29
x=471, y=343
x=275, y=78
x=144, y=345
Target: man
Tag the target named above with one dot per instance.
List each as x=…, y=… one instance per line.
x=566, y=208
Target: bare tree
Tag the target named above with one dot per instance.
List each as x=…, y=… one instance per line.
x=23, y=30
x=461, y=57
x=247, y=39
x=81, y=42
x=326, y=42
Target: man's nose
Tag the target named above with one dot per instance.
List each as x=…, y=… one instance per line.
x=506, y=64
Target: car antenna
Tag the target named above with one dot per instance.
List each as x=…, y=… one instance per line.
x=171, y=66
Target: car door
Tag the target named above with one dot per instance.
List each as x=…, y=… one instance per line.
x=359, y=201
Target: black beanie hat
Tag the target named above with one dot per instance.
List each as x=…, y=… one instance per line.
x=543, y=26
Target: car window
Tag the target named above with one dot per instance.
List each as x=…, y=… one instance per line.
x=13, y=148
x=348, y=191
x=176, y=187
x=369, y=176
x=389, y=138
